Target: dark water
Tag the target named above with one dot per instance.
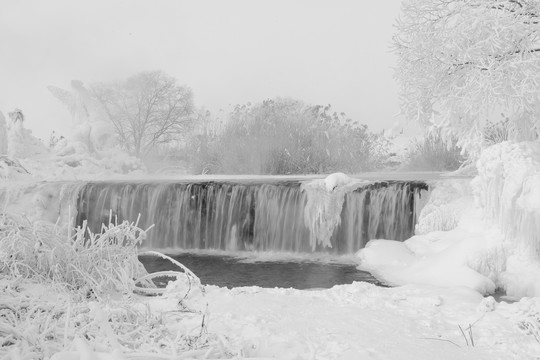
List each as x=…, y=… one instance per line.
x=231, y=272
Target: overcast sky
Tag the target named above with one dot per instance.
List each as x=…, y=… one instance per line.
x=228, y=51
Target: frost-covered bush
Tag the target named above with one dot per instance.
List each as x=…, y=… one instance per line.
x=433, y=153
x=496, y=132
x=284, y=136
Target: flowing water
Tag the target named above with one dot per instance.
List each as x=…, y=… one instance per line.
x=252, y=216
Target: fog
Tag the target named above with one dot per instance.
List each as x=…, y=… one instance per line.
x=321, y=52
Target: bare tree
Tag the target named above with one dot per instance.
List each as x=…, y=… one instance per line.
x=460, y=62
x=147, y=109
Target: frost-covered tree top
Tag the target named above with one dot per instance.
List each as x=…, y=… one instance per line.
x=462, y=62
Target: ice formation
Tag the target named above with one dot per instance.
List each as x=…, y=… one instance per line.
x=449, y=248
x=508, y=189
x=484, y=236
x=325, y=200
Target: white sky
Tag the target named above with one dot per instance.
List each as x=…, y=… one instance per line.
x=229, y=52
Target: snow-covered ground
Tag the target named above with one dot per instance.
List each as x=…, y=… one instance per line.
x=472, y=238
x=357, y=321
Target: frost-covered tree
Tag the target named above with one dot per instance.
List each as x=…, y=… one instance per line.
x=287, y=136
x=148, y=109
x=460, y=62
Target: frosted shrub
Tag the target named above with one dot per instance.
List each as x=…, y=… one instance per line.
x=433, y=153
x=285, y=136
x=496, y=132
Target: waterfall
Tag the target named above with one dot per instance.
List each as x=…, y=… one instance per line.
x=250, y=216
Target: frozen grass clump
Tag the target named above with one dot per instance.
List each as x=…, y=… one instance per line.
x=91, y=264
x=79, y=296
